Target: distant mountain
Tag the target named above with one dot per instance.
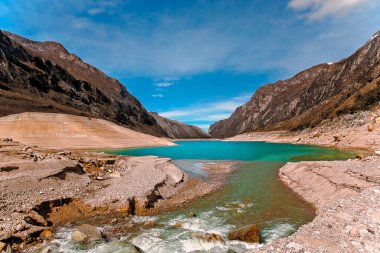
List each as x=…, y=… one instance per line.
x=45, y=77
x=318, y=93
x=175, y=129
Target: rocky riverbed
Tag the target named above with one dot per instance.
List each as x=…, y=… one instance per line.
x=42, y=189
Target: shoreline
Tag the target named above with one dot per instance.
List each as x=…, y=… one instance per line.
x=44, y=189
x=299, y=240
x=346, y=195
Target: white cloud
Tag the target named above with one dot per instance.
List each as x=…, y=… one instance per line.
x=158, y=95
x=164, y=84
x=203, y=115
x=319, y=9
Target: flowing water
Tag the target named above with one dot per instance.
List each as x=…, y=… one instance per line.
x=253, y=194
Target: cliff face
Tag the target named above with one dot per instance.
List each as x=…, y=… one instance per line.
x=318, y=93
x=45, y=77
x=175, y=129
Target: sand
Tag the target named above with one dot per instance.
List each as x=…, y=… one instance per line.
x=63, y=131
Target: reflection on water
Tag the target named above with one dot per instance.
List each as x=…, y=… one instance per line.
x=253, y=195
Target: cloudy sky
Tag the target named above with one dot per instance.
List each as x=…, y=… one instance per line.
x=196, y=61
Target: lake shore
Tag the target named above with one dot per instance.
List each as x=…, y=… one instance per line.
x=44, y=188
x=346, y=194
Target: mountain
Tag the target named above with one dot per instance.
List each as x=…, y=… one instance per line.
x=45, y=77
x=175, y=129
x=311, y=96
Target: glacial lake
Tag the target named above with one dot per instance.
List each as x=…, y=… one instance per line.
x=253, y=194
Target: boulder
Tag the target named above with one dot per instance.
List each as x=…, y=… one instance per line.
x=149, y=224
x=377, y=120
x=360, y=156
x=370, y=128
x=210, y=237
x=86, y=233
x=248, y=233
x=2, y=246
x=46, y=234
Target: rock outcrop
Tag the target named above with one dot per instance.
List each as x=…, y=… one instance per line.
x=318, y=93
x=175, y=129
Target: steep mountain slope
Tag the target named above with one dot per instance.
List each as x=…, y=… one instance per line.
x=318, y=93
x=175, y=129
x=45, y=77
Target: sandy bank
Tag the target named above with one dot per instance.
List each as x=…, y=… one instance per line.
x=347, y=197
x=63, y=131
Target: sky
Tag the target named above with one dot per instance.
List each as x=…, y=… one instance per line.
x=196, y=61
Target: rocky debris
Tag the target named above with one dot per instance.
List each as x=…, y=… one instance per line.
x=62, y=186
x=248, y=233
x=86, y=233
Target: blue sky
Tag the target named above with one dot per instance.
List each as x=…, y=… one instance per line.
x=196, y=61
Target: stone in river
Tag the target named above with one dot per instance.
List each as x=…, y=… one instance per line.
x=248, y=233
x=86, y=233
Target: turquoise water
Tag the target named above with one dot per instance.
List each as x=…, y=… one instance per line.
x=254, y=194
x=238, y=150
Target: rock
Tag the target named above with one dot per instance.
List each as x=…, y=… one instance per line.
x=370, y=128
x=2, y=246
x=192, y=215
x=336, y=138
x=241, y=205
x=36, y=219
x=46, y=234
x=8, y=250
x=86, y=233
x=131, y=248
x=149, y=223
x=248, y=233
x=360, y=156
x=377, y=152
x=377, y=120
x=78, y=236
x=178, y=225
x=210, y=237
x=115, y=174
x=50, y=249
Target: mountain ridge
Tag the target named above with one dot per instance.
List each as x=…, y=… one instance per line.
x=45, y=77
x=321, y=92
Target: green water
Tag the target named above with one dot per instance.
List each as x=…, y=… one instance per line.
x=237, y=150
x=253, y=194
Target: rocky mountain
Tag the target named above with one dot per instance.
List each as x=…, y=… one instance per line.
x=305, y=100
x=175, y=129
x=45, y=77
